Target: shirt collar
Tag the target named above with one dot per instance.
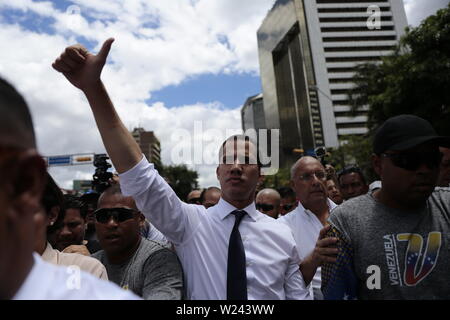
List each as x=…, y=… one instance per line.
x=301, y=208
x=225, y=208
x=50, y=254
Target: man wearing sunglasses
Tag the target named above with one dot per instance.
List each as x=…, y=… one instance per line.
x=393, y=242
x=228, y=251
x=23, y=274
x=268, y=202
x=145, y=267
x=288, y=200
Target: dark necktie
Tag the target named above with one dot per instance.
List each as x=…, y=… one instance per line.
x=236, y=271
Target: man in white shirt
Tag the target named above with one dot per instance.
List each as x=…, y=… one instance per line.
x=229, y=251
x=308, y=178
x=23, y=275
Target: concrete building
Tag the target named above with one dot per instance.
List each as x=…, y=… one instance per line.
x=149, y=144
x=252, y=113
x=308, y=50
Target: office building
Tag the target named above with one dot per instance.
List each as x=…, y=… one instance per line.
x=308, y=50
x=149, y=144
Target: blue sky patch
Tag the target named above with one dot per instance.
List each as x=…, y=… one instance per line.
x=230, y=90
x=28, y=20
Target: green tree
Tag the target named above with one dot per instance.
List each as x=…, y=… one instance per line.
x=357, y=150
x=181, y=179
x=275, y=181
x=415, y=79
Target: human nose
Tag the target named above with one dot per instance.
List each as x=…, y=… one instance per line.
x=112, y=222
x=64, y=231
x=236, y=167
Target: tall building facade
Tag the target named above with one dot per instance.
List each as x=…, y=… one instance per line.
x=252, y=113
x=308, y=50
x=149, y=144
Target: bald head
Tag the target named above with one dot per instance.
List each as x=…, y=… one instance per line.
x=268, y=202
x=308, y=178
x=113, y=197
x=302, y=162
x=16, y=126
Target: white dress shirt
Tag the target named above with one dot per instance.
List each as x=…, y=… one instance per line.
x=49, y=282
x=306, y=227
x=201, y=239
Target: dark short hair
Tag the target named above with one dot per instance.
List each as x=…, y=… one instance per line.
x=74, y=202
x=286, y=192
x=351, y=169
x=16, y=125
x=240, y=137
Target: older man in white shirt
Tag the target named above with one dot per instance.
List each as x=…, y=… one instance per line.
x=231, y=251
x=308, y=178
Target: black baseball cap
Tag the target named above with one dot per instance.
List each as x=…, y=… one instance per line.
x=404, y=132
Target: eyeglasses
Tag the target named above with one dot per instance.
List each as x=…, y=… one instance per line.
x=118, y=214
x=411, y=161
x=321, y=175
x=264, y=207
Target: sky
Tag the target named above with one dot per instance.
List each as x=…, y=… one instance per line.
x=180, y=68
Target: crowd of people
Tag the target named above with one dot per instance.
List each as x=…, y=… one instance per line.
x=329, y=235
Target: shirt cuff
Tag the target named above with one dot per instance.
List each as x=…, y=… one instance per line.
x=130, y=180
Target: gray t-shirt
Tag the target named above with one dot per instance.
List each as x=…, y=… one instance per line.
x=410, y=248
x=153, y=272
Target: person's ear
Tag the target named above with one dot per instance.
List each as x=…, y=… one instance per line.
x=53, y=215
x=376, y=164
x=141, y=218
x=29, y=183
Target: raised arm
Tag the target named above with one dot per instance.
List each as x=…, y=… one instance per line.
x=83, y=70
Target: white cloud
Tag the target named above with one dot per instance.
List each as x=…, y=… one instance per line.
x=417, y=10
x=158, y=43
x=155, y=46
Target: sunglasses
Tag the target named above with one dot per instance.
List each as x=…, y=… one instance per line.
x=411, y=161
x=194, y=201
x=287, y=207
x=264, y=207
x=118, y=214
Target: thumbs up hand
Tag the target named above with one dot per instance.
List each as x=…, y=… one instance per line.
x=81, y=67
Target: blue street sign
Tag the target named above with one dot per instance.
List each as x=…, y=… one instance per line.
x=59, y=161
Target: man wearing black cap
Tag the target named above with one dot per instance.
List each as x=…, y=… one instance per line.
x=393, y=243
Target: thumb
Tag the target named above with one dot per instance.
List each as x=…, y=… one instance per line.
x=324, y=231
x=106, y=47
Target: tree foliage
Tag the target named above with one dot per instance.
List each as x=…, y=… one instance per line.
x=357, y=150
x=181, y=179
x=415, y=79
x=278, y=180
